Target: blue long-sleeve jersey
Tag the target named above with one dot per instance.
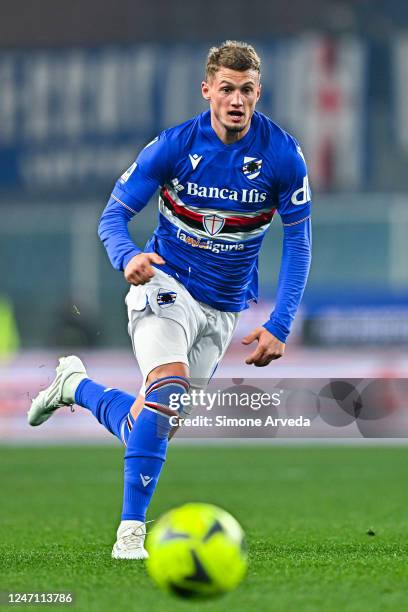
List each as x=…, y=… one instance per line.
x=216, y=203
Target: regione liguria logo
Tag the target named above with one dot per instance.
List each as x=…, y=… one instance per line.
x=252, y=167
x=213, y=224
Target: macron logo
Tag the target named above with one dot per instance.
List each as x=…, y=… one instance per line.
x=146, y=479
x=195, y=160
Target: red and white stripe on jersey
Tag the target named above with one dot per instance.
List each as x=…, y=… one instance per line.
x=235, y=228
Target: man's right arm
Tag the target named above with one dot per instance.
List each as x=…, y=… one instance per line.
x=114, y=233
x=131, y=193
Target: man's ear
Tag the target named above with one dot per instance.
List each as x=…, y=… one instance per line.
x=205, y=90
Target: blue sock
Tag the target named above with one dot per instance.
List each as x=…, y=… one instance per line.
x=147, y=445
x=110, y=406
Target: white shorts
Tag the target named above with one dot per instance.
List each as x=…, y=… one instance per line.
x=167, y=325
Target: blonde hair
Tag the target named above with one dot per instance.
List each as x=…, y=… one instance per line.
x=232, y=54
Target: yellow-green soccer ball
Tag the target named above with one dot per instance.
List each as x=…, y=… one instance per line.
x=197, y=551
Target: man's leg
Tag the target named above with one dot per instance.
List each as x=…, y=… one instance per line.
x=111, y=407
x=161, y=348
x=142, y=424
x=145, y=455
x=147, y=444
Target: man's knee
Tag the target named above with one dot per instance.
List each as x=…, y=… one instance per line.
x=167, y=369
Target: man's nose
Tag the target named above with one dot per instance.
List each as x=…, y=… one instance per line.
x=237, y=98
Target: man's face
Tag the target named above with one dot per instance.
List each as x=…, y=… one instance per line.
x=233, y=96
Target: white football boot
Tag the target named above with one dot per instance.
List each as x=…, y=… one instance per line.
x=130, y=541
x=61, y=391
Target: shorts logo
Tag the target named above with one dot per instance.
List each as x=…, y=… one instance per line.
x=166, y=298
x=213, y=224
x=252, y=167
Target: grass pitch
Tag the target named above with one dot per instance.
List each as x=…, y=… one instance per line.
x=307, y=513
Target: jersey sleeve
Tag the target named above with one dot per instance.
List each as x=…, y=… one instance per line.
x=114, y=233
x=294, y=197
x=150, y=170
x=294, y=270
x=294, y=207
x=131, y=193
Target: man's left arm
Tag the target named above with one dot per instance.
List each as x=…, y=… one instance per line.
x=294, y=209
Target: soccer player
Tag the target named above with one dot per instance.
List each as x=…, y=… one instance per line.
x=222, y=175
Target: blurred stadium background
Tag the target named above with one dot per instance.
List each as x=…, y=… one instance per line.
x=84, y=88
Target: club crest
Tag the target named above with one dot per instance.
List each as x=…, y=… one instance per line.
x=213, y=224
x=166, y=298
x=252, y=167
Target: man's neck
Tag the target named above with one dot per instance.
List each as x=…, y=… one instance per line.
x=227, y=136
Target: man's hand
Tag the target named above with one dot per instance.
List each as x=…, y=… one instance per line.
x=139, y=269
x=268, y=348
